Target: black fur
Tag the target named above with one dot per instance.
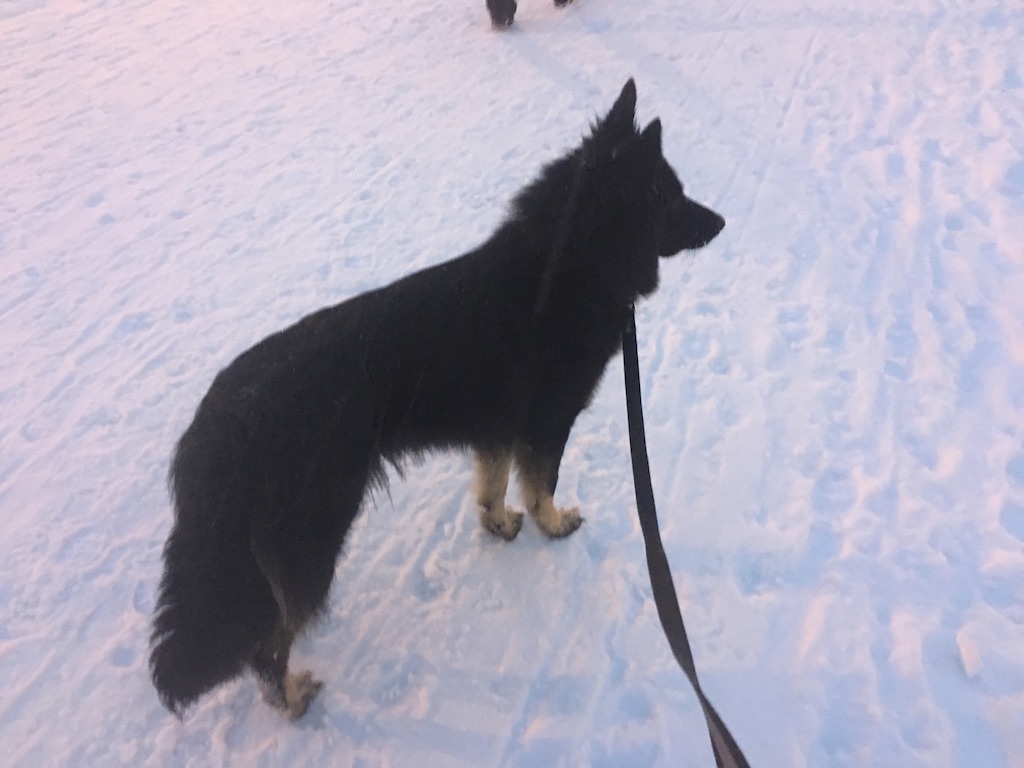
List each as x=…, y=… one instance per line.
x=497, y=350
x=503, y=12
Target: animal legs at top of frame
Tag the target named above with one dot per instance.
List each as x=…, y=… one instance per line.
x=503, y=12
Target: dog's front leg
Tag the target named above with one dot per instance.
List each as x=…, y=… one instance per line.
x=537, y=464
x=492, y=467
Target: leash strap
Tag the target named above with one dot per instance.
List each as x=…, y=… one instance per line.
x=727, y=752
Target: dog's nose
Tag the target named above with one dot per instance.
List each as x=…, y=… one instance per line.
x=713, y=223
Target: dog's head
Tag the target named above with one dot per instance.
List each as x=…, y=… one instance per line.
x=645, y=193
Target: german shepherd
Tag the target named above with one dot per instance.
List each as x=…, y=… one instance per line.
x=496, y=351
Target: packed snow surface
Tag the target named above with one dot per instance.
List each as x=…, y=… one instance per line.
x=834, y=389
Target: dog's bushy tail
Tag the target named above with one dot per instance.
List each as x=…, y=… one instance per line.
x=211, y=614
x=215, y=606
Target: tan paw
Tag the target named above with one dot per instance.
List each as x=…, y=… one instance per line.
x=301, y=690
x=558, y=523
x=505, y=525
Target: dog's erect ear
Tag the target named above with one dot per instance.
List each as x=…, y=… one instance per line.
x=651, y=136
x=625, y=105
x=619, y=120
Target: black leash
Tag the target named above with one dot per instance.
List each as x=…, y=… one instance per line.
x=727, y=752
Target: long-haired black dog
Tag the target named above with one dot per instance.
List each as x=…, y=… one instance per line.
x=497, y=350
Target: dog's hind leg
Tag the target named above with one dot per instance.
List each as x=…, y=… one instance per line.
x=296, y=551
x=537, y=464
x=290, y=693
x=492, y=467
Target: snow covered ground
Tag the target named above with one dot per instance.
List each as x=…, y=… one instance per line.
x=834, y=389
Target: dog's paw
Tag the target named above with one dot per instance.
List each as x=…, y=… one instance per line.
x=562, y=4
x=505, y=525
x=559, y=523
x=274, y=696
x=301, y=690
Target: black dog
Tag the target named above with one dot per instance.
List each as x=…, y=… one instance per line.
x=497, y=350
x=503, y=12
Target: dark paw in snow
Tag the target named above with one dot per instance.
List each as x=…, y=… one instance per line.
x=502, y=12
x=562, y=3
